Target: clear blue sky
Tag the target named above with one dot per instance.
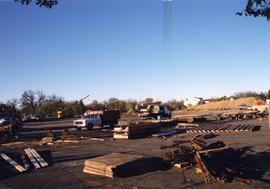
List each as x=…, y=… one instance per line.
x=115, y=48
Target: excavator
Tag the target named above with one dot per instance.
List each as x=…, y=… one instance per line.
x=60, y=112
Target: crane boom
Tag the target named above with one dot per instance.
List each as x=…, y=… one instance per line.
x=60, y=113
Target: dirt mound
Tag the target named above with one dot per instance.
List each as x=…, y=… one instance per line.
x=226, y=104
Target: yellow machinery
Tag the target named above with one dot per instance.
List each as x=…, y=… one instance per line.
x=60, y=113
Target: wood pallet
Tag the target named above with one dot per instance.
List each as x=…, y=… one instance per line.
x=227, y=128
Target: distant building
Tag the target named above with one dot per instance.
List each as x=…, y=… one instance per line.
x=194, y=101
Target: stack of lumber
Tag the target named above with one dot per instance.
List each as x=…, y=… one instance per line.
x=224, y=128
x=136, y=130
x=111, y=165
x=214, y=161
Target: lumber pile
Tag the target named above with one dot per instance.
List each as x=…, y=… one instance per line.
x=47, y=140
x=136, y=130
x=214, y=161
x=111, y=165
x=224, y=128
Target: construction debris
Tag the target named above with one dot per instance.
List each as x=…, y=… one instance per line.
x=215, y=161
x=111, y=165
x=132, y=130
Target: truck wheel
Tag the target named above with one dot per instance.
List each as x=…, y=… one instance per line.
x=90, y=126
x=79, y=128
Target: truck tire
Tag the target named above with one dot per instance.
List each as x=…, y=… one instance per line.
x=78, y=128
x=90, y=126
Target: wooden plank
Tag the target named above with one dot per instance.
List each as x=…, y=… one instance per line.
x=41, y=161
x=12, y=162
x=32, y=159
x=108, y=165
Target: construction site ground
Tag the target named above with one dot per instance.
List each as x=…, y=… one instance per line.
x=68, y=159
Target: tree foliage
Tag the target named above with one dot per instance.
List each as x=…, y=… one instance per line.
x=253, y=7
x=10, y=110
x=41, y=3
x=257, y=8
x=175, y=105
x=51, y=105
x=261, y=95
x=149, y=100
x=268, y=94
x=31, y=101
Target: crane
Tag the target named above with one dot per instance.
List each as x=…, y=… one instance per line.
x=60, y=112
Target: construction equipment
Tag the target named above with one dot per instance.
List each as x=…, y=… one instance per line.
x=60, y=112
x=153, y=110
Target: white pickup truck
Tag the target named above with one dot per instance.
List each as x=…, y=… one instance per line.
x=97, y=118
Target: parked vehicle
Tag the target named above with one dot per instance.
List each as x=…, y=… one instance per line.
x=153, y=110
x=6, y=130
x=97, y=118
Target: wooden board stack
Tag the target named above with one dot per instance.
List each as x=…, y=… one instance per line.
x=227, y=128
x=141, y=129
x=33, y=157
x=110, y=165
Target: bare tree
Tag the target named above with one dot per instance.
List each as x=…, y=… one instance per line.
x=28, y=102
x=31, y=101
x=40, y=98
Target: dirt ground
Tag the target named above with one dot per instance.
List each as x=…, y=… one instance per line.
x=68, y=159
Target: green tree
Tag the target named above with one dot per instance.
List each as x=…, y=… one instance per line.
x=149, y=100
x=175, y=105
x=253, y=7
x=257, y=8
x=10, y=110
x=41, y=3
x=131, y=104
x=95, y=105
x=51, y=105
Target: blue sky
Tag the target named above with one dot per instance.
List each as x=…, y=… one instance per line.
x=115, y=48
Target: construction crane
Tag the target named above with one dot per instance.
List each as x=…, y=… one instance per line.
x=60, y=113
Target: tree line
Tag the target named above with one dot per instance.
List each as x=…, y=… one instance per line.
x=253, y=8
x=32, y=103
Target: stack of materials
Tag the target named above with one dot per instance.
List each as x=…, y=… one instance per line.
x=224, y=128
x=136, y=130
x=111, y=165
